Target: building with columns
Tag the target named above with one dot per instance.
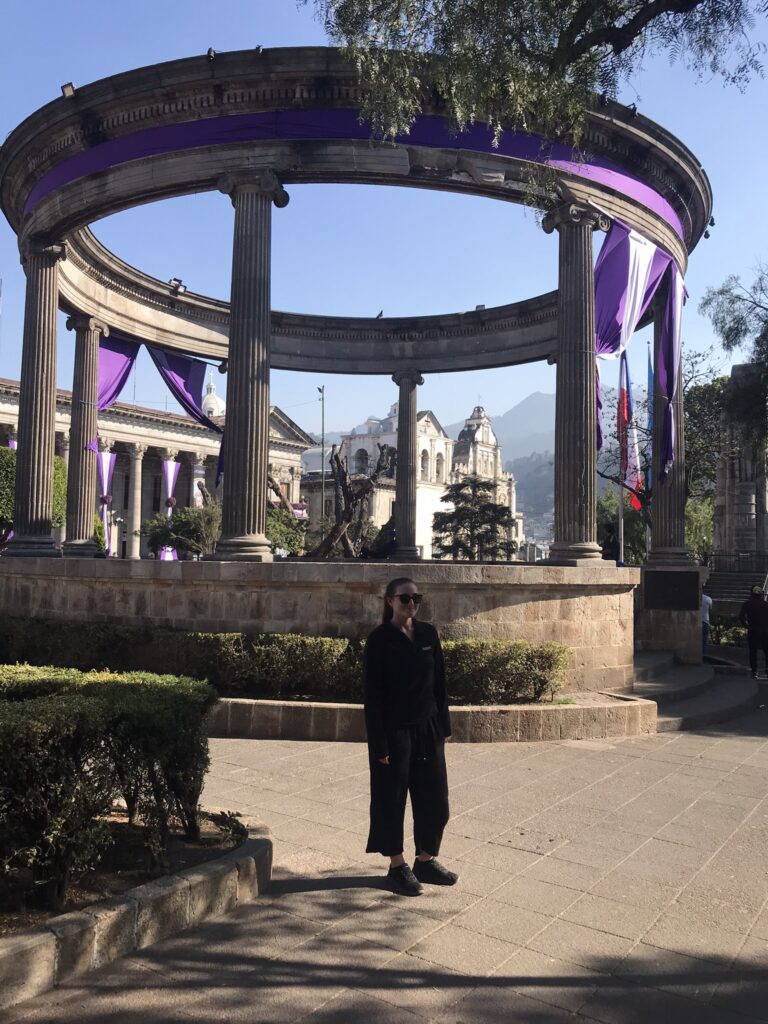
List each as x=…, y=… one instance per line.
x=439, y=461
x=142, y=438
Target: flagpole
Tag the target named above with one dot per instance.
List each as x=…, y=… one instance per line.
x=620, y=523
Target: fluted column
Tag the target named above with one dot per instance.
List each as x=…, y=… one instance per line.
x=81, y=478
x=33, y=503
x=407, y=463
x=668, y=529
x=196, y=462
x=575, y=527
x=244, y=500
x=136, y=453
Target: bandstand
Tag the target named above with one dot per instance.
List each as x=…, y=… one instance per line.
x=251, y=124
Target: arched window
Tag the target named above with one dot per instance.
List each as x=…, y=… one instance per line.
x=440, y=468
x=361, y=461
x=425, y=465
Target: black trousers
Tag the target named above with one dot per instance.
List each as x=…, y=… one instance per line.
x=416, y=766
x=757, y=641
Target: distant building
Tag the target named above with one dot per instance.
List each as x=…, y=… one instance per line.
x=441, y=461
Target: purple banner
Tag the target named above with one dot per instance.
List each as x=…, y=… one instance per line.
x=428, y=131
x=185, y=377
x=116, y=360
x=12, y=443
x=105, y=463
x=170, y=475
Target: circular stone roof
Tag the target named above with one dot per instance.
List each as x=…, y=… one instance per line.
x=179, y=127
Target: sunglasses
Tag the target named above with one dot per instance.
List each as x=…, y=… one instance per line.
x=407, y=598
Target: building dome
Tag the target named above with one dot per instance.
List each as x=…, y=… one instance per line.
x=213, y=406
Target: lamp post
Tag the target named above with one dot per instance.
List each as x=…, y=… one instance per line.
x=322, y=461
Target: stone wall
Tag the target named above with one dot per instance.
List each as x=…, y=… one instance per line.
x=588, y=609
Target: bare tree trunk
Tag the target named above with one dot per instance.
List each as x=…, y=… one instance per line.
x=284, y=503
x=348, y=499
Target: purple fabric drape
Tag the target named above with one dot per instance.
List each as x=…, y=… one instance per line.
x=185, y=377
x=628, y=272
x=105, y=463
x=668, y=363
x=116, y=360
x=171, y=474
x=12, y=444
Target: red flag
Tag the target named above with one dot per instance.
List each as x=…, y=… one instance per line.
x=627, y=434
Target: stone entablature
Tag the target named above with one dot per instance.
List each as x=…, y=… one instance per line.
x=587, y=609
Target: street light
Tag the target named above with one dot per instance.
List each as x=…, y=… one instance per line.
x=322, y=461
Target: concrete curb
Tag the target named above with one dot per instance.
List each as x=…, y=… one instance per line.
x=618, y=715
x=39, y=960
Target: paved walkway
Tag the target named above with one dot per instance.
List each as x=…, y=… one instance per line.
x=621, y=881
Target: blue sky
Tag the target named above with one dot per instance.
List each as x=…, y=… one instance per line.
x=354, y=250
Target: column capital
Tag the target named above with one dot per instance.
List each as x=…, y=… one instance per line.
x=105, y=444
x=137, y=451
x=264, y=182
x=196, y=458
x=83, y=322
x=407, y=375
x=575, y=213
x=168, y=454
x=46, y=248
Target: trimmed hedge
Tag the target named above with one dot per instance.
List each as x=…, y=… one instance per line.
x=283, y=665
x=71, y=742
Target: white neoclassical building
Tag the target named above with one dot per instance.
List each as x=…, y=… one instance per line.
x=142, y=438
x=440, y=461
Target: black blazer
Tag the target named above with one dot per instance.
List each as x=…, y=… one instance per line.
x=403, y=682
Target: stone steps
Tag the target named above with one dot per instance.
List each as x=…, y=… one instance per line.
x=690, y=696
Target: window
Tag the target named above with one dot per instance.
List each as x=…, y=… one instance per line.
x=425, y=465
x=439, y=468
x=157, y=484
x=361, y=461
x=126, y=489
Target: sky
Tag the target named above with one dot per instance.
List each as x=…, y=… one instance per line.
x=355, y=250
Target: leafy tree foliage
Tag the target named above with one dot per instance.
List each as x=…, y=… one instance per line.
x=476, y=528
x=739, y=315
x=699, y=527
x=194, y=530
x=527, y=64
x=634, y=524
x=285, y=531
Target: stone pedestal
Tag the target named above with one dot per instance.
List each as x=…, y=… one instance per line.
x=407, y=463
x=244, y=502
x=668, y=510
x=33, y=504
x=81, y=478
x=575, y=526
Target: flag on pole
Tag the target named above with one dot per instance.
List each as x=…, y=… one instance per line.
x=649, y=426
x=626, y=431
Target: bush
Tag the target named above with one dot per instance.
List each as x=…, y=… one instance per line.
x=726, y=629
x=502, y=671
x=142, y=732
x=279, y=665
x=57, y=782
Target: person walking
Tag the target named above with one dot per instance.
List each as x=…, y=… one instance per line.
x=754, y=615
x=706, y=608
x=407, y=723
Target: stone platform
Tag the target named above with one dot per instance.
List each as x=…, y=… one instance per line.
x=590, y=610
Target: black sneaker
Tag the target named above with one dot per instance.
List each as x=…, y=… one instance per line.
x=403, y=881
x=433, y=873
x=754, y=675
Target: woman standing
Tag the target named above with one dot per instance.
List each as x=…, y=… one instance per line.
x=406, y=717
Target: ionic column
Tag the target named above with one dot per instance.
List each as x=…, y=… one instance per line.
x=196, y=462
x=136, y=453
x=81, y=478
x=244, y=499
x=575, y=527
x=407, y=459
x=33, y=503
x=668, y=529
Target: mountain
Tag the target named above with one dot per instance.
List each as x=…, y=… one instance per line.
x=526, y=428
x=535, y=479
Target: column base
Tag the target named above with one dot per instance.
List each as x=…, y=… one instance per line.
x=253, y=547
x=669, y=556
x=80, y=548
x=586, y=553
x=31, y=547
x=407, y=554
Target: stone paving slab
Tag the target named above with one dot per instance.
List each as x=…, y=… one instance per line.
x=610, y=881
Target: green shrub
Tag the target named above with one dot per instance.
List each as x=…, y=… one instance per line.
x=57, y=783
x=150, y=735
x=276, y=665
x=502, y=671
x=726, y=629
